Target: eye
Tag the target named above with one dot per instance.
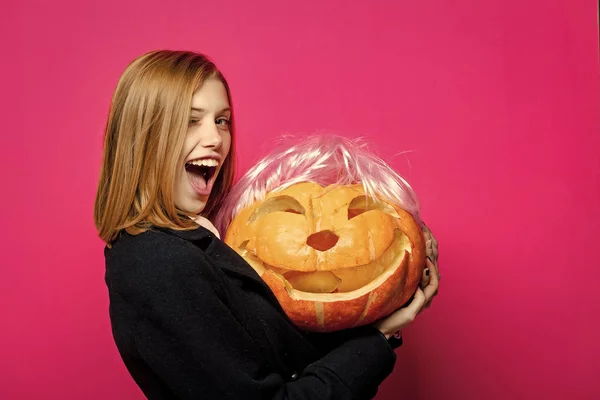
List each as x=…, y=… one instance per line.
x=279, y=203
x=362, y=204
x=193, y=121
x=223, y=122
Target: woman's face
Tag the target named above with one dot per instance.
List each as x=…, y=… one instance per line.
x=205, y=147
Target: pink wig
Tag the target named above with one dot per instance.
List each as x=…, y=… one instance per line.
x=323, y=159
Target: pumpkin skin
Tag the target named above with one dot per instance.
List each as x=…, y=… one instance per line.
x=334, y=258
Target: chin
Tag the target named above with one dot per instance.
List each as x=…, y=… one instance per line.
x=198, y=210
x=194, y=207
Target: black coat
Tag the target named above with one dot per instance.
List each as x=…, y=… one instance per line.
x=192, y=320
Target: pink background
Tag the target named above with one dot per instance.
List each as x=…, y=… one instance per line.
x=495, y=102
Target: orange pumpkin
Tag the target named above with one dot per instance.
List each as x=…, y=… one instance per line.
x=333, y=257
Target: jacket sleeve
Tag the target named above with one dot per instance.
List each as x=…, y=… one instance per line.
x=187, y=335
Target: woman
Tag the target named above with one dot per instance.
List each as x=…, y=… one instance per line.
x=190, y=318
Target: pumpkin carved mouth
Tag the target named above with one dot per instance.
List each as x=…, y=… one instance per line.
x=333, y=257
x=341, y=283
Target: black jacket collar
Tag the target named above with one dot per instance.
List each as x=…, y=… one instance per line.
x=218, y=251
x=190, y=235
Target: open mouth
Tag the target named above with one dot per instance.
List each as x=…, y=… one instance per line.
x=201, y=174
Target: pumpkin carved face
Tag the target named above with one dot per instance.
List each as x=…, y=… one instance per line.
x=333, y=257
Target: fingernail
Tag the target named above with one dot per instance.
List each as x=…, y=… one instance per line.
x=426, y=271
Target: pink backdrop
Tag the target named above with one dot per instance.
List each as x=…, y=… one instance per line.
x=489, y=108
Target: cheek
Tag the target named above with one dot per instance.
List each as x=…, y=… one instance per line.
x=178, y=188
x=188, y=143
x=226, y=146
x=181, y=188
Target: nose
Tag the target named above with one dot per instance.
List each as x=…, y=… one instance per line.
x=211, y=138
x=322, y=240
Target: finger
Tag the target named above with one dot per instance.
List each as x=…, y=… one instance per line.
x=429, y=251
x=431, y=289
x=418, y=302
x=435, y=270
x=429, y=300
x=429, y=244
x=433, y=261
x=424, y=278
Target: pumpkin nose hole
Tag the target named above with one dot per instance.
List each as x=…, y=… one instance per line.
x=323, y=240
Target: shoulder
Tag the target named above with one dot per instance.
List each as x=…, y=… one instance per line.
x=152, y=241
x=153, y=259
x=148, y=248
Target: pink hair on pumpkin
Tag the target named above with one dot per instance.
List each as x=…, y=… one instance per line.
x=323, y=159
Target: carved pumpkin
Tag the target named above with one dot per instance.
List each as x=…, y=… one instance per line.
x=333, y=257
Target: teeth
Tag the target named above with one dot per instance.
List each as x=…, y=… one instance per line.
x=204, y=163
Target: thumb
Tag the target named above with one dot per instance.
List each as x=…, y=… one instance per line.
x=424, y=278
x=418, y=302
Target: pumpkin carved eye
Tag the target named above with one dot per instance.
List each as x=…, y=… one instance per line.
x=278, y=203
x=362, y=204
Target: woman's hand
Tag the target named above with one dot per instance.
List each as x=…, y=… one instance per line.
x=422, y=299
x=431, y=244
x=431, y=250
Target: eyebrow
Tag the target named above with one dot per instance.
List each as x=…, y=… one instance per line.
x=201, y=110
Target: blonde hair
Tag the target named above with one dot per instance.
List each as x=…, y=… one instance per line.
x=143, y=141
x=323, y=159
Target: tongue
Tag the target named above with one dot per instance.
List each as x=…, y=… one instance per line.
x=197, y=180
